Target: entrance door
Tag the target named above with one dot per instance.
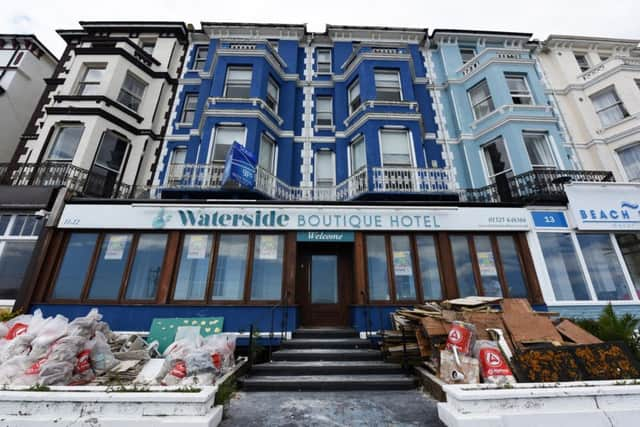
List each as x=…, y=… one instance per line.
x=322, y=285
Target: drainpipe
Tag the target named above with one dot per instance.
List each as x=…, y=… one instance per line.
x=535, y=50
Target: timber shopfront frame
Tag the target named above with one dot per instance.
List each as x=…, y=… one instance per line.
x=393, y=266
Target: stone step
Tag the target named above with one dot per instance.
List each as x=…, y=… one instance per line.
x=353, y=343
x=327, y=333
x=320, y=354
x=328, y=383
x=287, y=368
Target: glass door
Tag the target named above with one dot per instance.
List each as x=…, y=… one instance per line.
x=104, y=176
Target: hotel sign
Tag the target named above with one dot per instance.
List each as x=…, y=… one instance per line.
x=274, y=217
x=604, y=206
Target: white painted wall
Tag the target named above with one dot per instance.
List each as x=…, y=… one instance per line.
x=596, y=146
x=154, y=106
x=23, y=87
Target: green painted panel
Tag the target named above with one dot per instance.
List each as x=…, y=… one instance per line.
x=164, y=329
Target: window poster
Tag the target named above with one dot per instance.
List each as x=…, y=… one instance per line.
x=402, y=263
x=487, y=263
x=116, y=246
x=268, y=248
x=197, y=248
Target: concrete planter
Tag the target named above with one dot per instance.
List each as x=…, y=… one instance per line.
x=583, y=404
x=96, y=406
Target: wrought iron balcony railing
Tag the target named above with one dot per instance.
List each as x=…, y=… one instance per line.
x=64, y=174
x=536, y=186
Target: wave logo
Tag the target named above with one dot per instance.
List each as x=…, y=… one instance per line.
x=630, y=205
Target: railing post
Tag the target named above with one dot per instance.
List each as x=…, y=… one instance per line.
x=405, y=364
x=250, y=350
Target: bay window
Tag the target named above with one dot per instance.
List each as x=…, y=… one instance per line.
x=395, y=147
x=629, y=244
x=224, y=137
x=200, y=58
x=65, y=142
x=91, y=79
x=358, y=154
x=467, y=53
x=267, y=155
x=324, y=60
x=609, y=107
x=388, y=85
x=603, y=266
x=519, y=89
x=189, y=108
x=131, y=92
x=238, y=82
x=497, y=160
x=231, y=266
x=630, y=159
x=273, y=94
x=539, y=150
x=354, y=96
x=266, y=277
x=481, y=101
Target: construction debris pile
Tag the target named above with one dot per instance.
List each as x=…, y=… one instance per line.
x=35, y=350
x=500, y=342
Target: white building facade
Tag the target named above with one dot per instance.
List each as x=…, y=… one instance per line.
x=101, y=123
x=25, y=63
x=596, y=85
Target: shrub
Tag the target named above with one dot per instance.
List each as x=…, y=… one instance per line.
x=611, y=327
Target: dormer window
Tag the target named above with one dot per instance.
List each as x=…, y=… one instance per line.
x=467, y=53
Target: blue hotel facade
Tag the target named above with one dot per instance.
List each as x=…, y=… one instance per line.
x=393, y=167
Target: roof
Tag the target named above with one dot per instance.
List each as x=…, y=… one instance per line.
x=589, y=41
x=32, y=38
x=178, y=27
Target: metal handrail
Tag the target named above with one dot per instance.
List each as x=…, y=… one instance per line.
x=253, y=325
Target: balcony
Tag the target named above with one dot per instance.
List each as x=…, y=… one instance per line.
x=63, y=174
x=378, y=180
x=611, y=64
x=534, y=187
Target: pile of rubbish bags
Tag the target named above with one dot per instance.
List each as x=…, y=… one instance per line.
x=56, y=351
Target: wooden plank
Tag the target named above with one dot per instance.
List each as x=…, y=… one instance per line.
x=423, y=345
x=435, y=327
x=576, y=334
x=471, y=301
x=483, y=321
x=524, y=325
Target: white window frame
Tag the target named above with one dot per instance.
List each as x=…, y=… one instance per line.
x=330, y=112
x=54, y=137
x=215, y=132
x=134, y=96
x=384, y=88
x=487, y=98
x=185, y=110
x=353, y=85
x=466, y=48
x=586, y=64
x=332, y=156
x=275, y=101
x=633, y=145
x=585, y=270
x=82, y=83
x=170, y=178
x=274, y=161
x=7, y=238
x=618, y=104
x=328, y=64
x=409, y=139
x=357, y=140
x=554, y=155
x=198, y=59
x=520, y=95
x=231, y=68
x=488, y=175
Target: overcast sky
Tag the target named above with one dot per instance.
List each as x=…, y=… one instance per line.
x=612, y=18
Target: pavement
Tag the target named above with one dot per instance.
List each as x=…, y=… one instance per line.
x=344, y=408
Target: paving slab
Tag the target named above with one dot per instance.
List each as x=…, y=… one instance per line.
x=344, y=408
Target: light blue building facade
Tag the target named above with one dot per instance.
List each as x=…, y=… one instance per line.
x=495, y=116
